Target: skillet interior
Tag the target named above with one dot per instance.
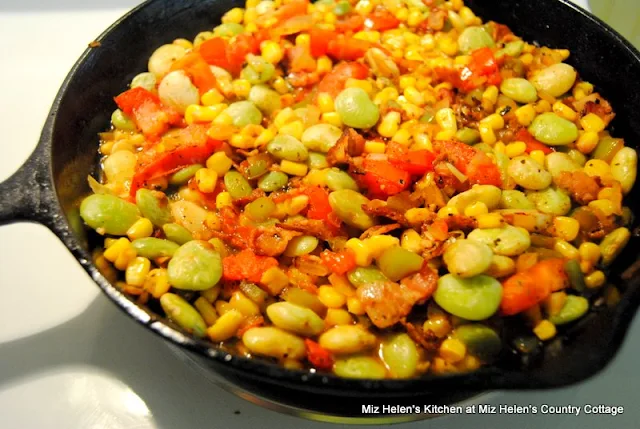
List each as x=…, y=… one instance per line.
x=84, y=105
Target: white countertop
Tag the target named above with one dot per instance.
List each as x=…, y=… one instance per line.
x=70, y=359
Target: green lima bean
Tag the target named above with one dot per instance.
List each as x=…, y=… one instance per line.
x=108, y=214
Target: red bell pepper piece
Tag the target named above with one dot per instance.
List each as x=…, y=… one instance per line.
x=319, y=40
x=483, y=68
x=353, y=23
x=147, y=111
x=246, y=265
x=198, y=71
x=474, y=163
x=347, y=48
x=229, y=54
x=339, y=262
x=525, y=136
x=319, y=207
x=192, y=146
x=283, y=13
x=318, y=356
x=300, y=60
x=416, y=162
x=381, y=20
x=383, y=179
x=333, y=83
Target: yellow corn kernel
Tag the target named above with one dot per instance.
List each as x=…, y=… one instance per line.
x=564, y=111
x=235, y=15
x=538, y=156
x=545, y=330
x=342, y=285
x=369, y=36
x=467, y=15
x=592, y=122
x=294, y=129
x=422, y=141
x=223, y=119
x=417, y=215
x=445, y=135
x=361, y=251
x=595, y=279
x=589, y=252
x=402, y=136
x=411, y=240
x=283, y=117
x=157, y=282
x=526, y=59
x=184, y=43
x=241, y=87
x=597, y=167
x=251, y=27
x=221, y=131
x=446, y=118
x=281, y=85
x=219, y=163
x=525, y=114
x=137, y=271
x=243, y=304
x=206, y=180
x=587, y=142
x=211, y=98
x=226, y=326
x=499, y=147
x=414, y=96
x=495, y=121
x=125, y=258
x=196, y=114
x=206, y=310
x=379, y=243
x=516, y=149
x=542, y=106
x=452, y=350
x=407, y=81
x=476, y=208
x=325, y=102
x=491, y=95
x=486, y=134
x=212, y=293
x=605, y=206
x=109, y=241
x=120, y=245
x=330, y=297
x=265, y=136
x=338, y=316
x=447, y=211
x=388, y=93
x=365, y=85
x=323, y=65
x=566, y=228
x=490, y=220
x=274, y=279
x=402, y=14
x=440, y=326
x=374, y=147
x=581, y=90
x=586, y=267
x=364, y=7
x=223, y=307
x=415, y=17
x=448, y=46
x=354, y=306
x=223, y=199
x=293, y=168
x=271, y=51
x=566, y=249
x=140, y=229
x=332, y=118
x=389, y=124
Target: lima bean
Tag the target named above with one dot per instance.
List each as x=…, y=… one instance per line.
x=361, y=276
x=228, y=29
x=144, y=80
x=401, y=356
x=183, y=313
x=397, y=262
x=359, y=367
x=183, y=175
x=108, y=214
x=553, y=130
x=552, y=200
x=317, y=160
x=287, y=147
x=177, y=90
x=337, y=180
x=122, y=121
x=273, y=181
x=347, y=339
x=473, y=38
x=347, y=205
x=574, y=308
x=468, y=136
x=236, y=184
x=260, y=209
x=274, y=342
x=624, y=168
x=176, y=233
x=244, y=113
x=557, y=162
x=154, y=206
x=321, y=137
x=512, y=199
x=613, y=243
x=356, y=109
x=577, y=157
x=488, y=194
x=474, y=298
x=528, y=173
x=163, y=58
x=507, y=241
x=265, y=98
x=555, y=80
x=195, y=266
x=466, y=258
x=501, y=266
x=151, y=247
x=295, y=318
x=519, y=89
x=607, y=148
x=301, y=245
x=481, y=341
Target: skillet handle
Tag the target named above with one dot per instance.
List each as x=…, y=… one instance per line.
x=24, y=195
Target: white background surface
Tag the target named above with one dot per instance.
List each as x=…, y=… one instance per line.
x=70, y=359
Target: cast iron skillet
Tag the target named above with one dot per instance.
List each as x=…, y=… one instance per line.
x=47, y=187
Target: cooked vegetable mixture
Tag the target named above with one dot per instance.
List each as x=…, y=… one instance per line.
x=372, y=188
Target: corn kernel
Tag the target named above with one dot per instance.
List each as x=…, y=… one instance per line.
x=605, y=206
x=111, y=254
x=402, y=14
x=566, y=249
x=206, y=180
x=447, y=211
x=538, y=156
x=592, y=122
x=499, y=147
x=476, y=208
x=446, y=118
x=581, y=90
x=265, y=136
x=417, y=215
x=137, y=271
x=281, y=85
x=330, y=297
x=389, y=124
x=226, y=326
x=274, y=279
x=271, y=51
x=223, y=119
x=564, y=111
x=402, y=136
x=448, y=46
x=338, y=316
x=587, y=142
x=374, y=147
x=414, y=96
x=411, y=240
x=124, y=258
x=342, y=285
x=440, y=326
x=490, y=220
x=293, y=168
x=597, y=167
x=545, y=330
x=415, y=17
x=354, y=305
x=526, y=59
x=491, y=95
x=325, y=102
x=361, y=251
x=364, y=7
x=369, y=36
x=140, y=229
x=323, y=65
x=332, y=118
x=303, y=40
x=219, y=163
x=452, y=350
x=525, y=115
x=235, y=16
x=223, y=199
x=211, y=98
x=589, y=252
x=516, y=149
x=407, y=81
x=542, y=106
x=206, y=310
x=566, y=228
x=241, y=87
x=365, y=85
x=379, y=243
x=196, y=114
x=294, y=129
x=595, y=279
x=157, y=282
x=487, y=135
x=239, y=301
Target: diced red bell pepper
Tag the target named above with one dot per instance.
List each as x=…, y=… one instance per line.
x=300, y=60
x=353, y=23
x=246, y=265
x=319, y=207
x=347, y=48
x=383, y=179
x=339, y=262
x=483, y=68
x=333, y=83
x=198, y=71
x=525, y=136
x=147, y=111
x=318, y=356
x=414, y=162
x=192, y=146
x=474, y=163
x=283, y=13
x=381, y=20
x=319, y=41
x=229, y=54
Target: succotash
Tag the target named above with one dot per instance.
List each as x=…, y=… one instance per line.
x=374, y=189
